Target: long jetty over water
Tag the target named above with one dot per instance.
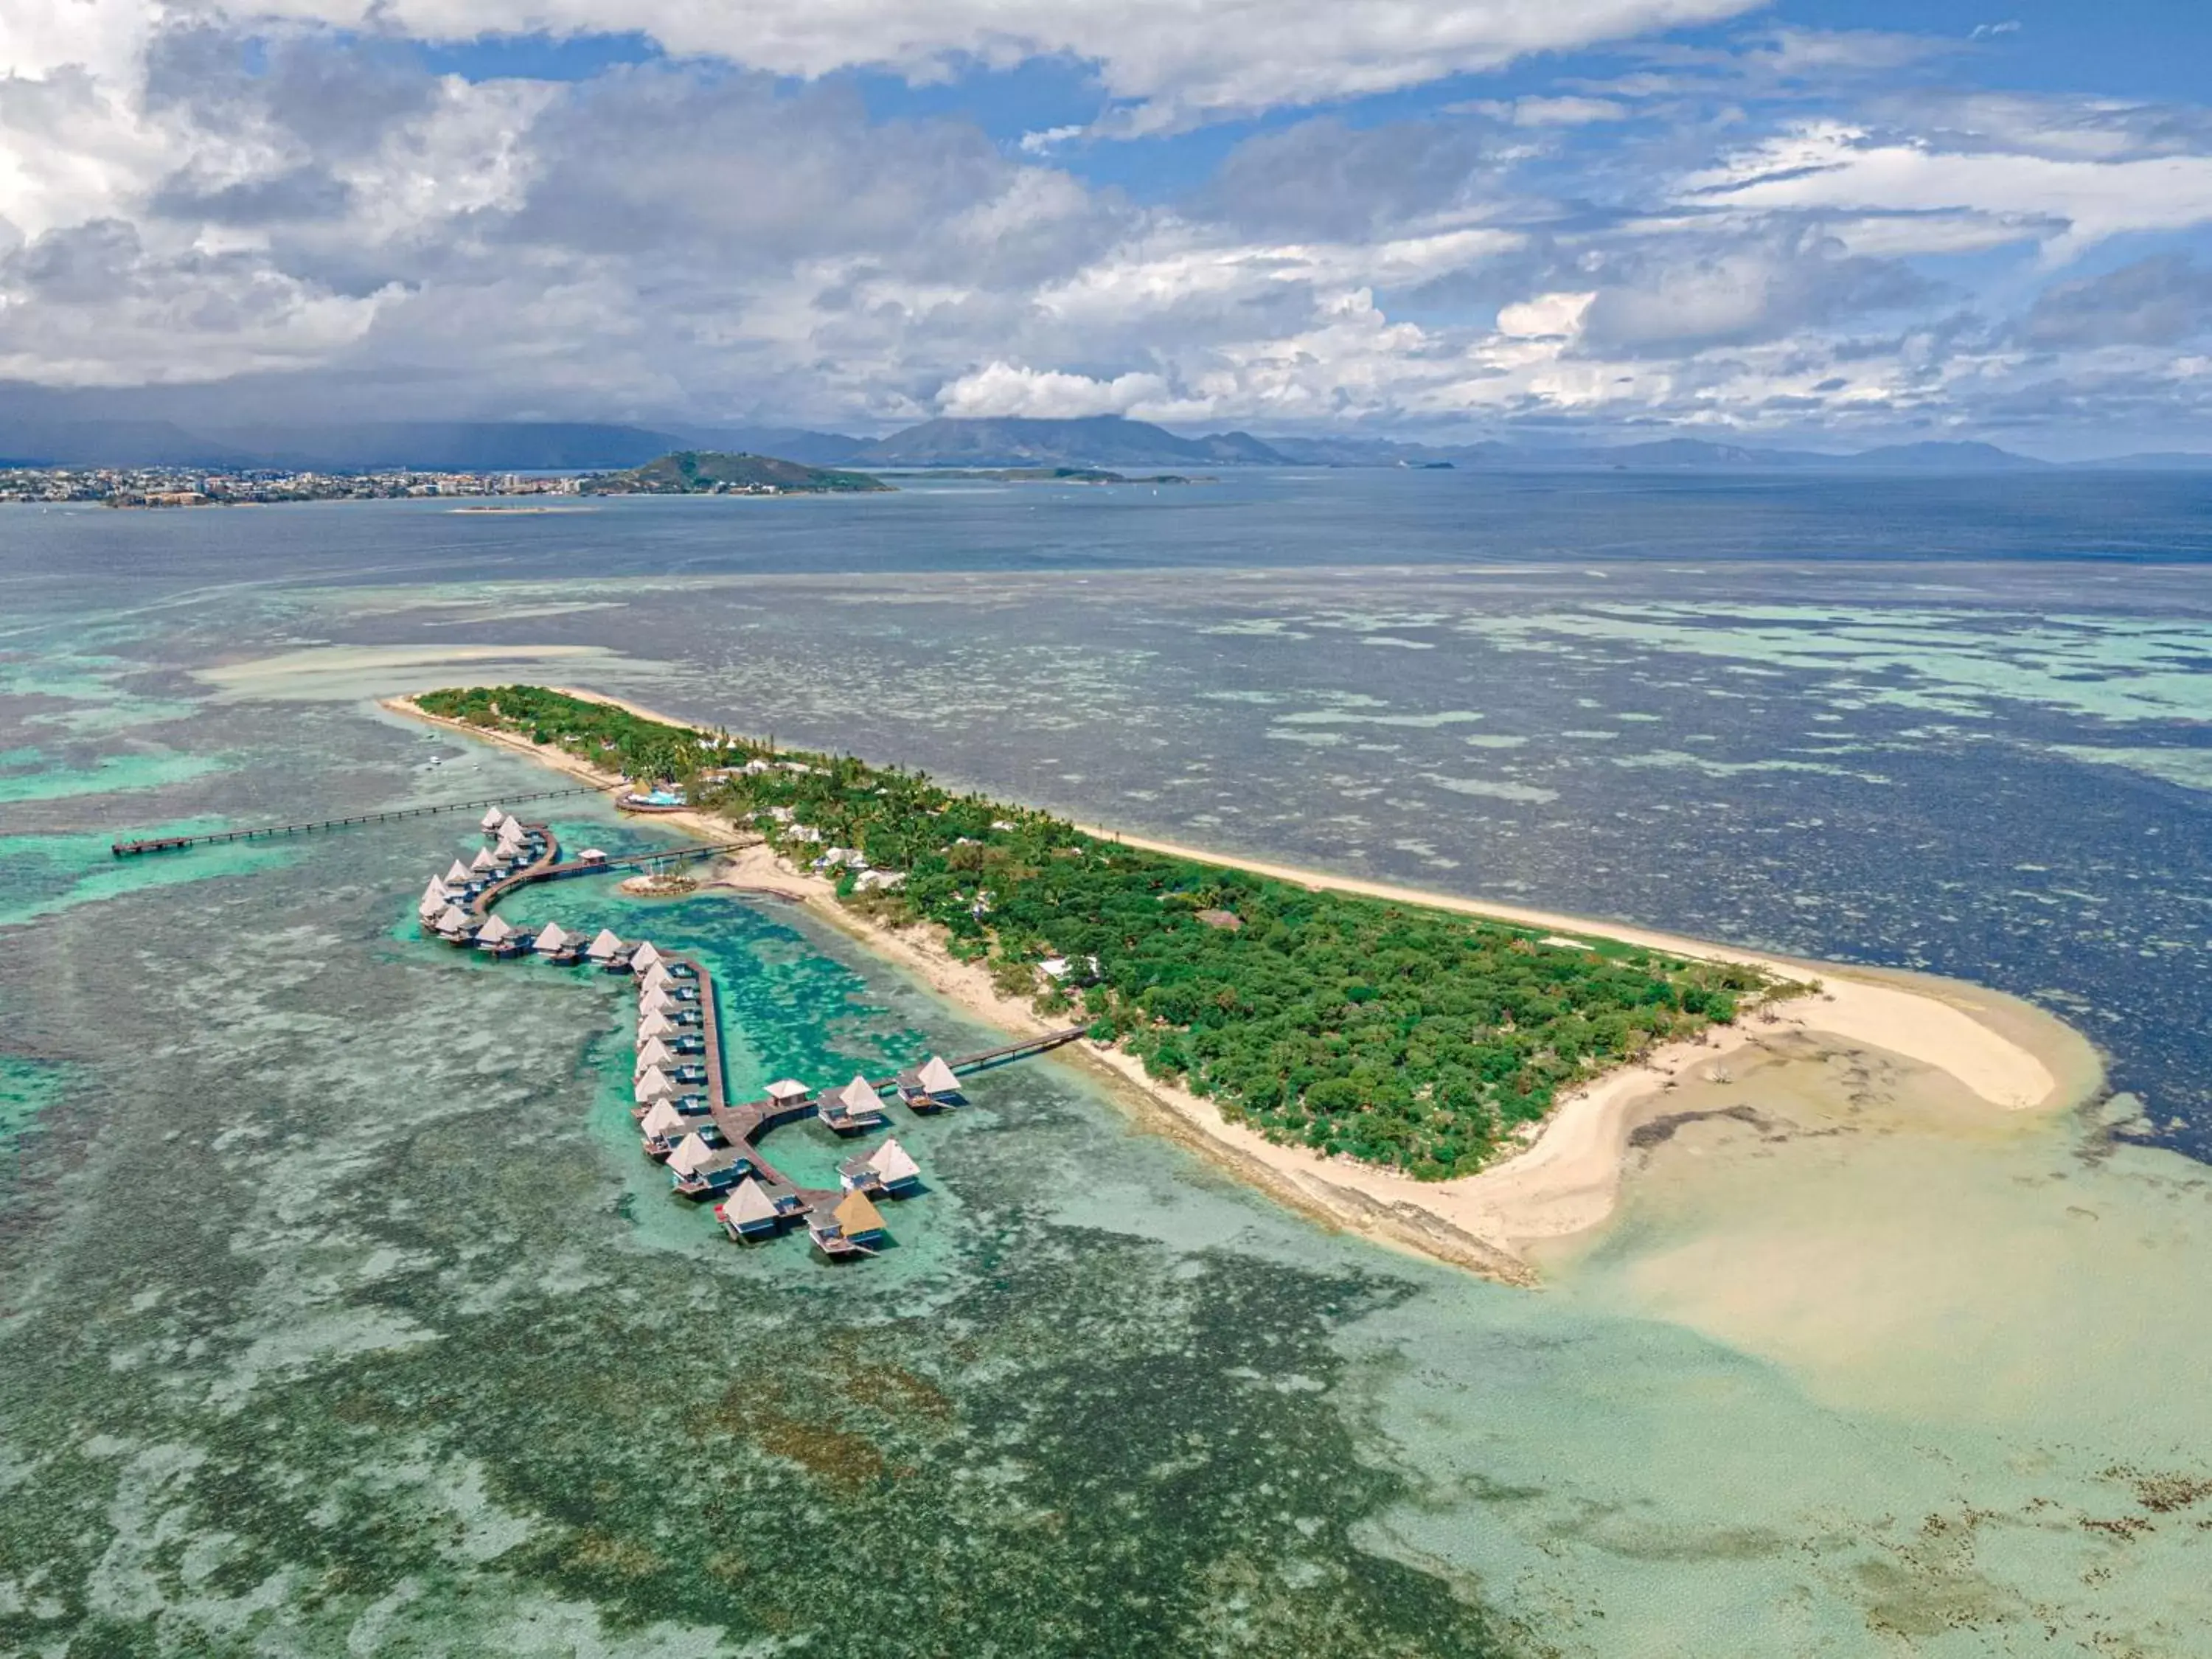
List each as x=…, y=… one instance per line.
x=123, y=850
x=686, y=1117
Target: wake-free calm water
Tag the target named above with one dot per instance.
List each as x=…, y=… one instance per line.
x=341, y=1314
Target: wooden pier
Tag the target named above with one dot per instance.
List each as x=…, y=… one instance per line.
x=742, y=1124
x=123, y=850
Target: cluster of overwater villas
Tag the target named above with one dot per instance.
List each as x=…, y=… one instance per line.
x=708, y=1154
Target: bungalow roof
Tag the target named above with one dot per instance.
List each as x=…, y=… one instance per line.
x=892, y=1165
x=483, y=861
x=496, y=930
x=662, y=1118
x=604, y=945
x=859, y=1097
x=787, y=1088
x=691, y=1154
x=491, y=817
x=750, y=1202
x=453, y=919
x=644, y=958
x=656, y=977
x=456, y=874
x=655, y=1000
x=937, y=1077
x=654, y=1053
x=856, y=1215
x=652, y=1084
x=554, y=937
x=655, y=1024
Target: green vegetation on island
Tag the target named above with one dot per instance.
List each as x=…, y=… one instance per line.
x=712, y=472
x=1416, y=1038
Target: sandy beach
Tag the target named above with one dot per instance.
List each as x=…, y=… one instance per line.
x=2006, y=1055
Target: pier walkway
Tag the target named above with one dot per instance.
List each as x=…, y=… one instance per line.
x=741, y=1124
x=123, y=850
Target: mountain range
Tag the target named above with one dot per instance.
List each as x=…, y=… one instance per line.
x=29, y=437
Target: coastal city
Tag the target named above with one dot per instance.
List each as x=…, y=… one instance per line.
x=178, y=486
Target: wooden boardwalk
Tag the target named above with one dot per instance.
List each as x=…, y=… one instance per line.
x=123, y=850
x=742, y=1124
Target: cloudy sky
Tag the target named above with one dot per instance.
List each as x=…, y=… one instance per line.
x=1835, y=221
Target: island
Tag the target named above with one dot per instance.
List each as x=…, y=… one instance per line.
x=1447, y=1076
x=715, y=473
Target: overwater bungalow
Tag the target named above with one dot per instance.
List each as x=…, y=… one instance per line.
x=484, y=863
x=434, y=901
x=655, y=1024
x=459, y=874
x=852, y=1109
x=490, y=820
x=888, y=1170
x=748, y=1213
x=605, y=950
x=855, y=1226
x=502, y=937
x=787, y=1092
x=930, y=1085
x=695, y=1168
x=652, y=1052
x=653, y=1084
x=456, y=926
x=644, y=959
x=558, y=942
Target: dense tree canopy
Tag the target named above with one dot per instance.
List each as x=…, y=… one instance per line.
x=1403, y=1036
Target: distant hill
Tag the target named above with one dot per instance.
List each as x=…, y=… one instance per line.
x=1109, y=441
x=711, y=473
x=1941, y=458
x=428, y=446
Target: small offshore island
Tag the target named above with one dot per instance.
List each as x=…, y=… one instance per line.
x=1448, y=1077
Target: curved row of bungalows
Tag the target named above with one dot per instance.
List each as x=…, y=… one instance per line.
x=889, y=1171
x=854, y=1227
x=930, y=1085
x=851, y=1110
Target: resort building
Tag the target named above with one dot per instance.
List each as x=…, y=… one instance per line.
x=644, y=958
x=653, y=1084
x=605, y=950
x=654, y=1053
x=459, y=874
x=457, y=925
x=930, y=1085
x=888, y=1170
x=433, y=900
x=852, y=1109
x=484, y=863
x=497, y=934
x=490, y=820
x=854, y=1225
x=553, y=939
x=748, y=1213
x=655, y=1024
x=787, y=1091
